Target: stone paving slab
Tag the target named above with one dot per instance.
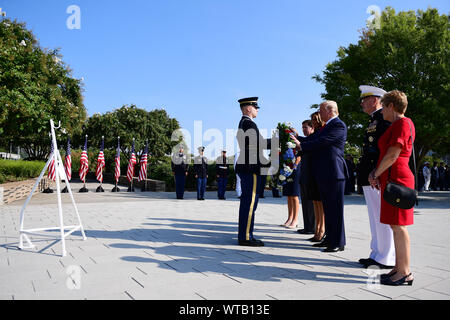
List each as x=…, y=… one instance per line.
x=149, y=245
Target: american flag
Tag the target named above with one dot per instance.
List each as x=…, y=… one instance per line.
x=51, y=166
x=143, y=171
x=117, y=163
x=101, y=162
x=84, y=163
x=131, y=164
x=68, y=162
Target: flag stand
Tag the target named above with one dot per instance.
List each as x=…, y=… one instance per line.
x=65, y=190
x=60, y=175
x=84, y=189
x=131, y=188
x=99, y=188
x=115, y=189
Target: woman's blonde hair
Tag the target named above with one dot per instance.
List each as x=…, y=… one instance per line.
x=315, y=118
x=398, y=100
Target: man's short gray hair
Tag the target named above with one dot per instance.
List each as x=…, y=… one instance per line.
x=331, y=105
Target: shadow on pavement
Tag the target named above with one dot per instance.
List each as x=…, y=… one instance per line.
x=207, y=246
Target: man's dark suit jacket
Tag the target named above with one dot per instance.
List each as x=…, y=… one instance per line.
x=328, y=147
x=330, y=172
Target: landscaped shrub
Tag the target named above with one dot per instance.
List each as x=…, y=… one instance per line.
x=16, y=170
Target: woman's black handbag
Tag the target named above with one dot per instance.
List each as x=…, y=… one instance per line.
x=398, y=195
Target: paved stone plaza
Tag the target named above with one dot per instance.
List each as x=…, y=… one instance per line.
x=148, y=245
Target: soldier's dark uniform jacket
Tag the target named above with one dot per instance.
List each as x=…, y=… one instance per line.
x=370, y=152
x=179, y=164
x=249, y=140
x=222, y=167
x=201, y=166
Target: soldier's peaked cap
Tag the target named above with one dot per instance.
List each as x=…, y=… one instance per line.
x=369, y=91
x=249, y=101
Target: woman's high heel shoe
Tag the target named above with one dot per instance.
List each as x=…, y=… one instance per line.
x=314, y=239
x=387, y=275
x=292, y=227
x=388, y=281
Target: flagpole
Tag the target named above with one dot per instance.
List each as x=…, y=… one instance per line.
x=131, y=189
x=84, y=189
x=99, y=188
x=116, y=189
x=146, y=168
x=65, y=190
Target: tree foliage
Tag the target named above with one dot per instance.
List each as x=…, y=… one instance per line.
x=35, y=86
x=409, y=52
x=130, y=122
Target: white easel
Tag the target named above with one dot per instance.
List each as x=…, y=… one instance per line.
x=60, y=175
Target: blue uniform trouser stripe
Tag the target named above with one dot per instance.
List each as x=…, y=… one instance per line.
x=248, y=205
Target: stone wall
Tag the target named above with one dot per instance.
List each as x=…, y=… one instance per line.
x=13, y=191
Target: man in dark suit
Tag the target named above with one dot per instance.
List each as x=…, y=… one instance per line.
x=330, y=173
x=434, y=177
x=441, y=180
x=248, y=167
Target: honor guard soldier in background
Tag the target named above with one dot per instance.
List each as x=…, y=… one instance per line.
x=382, y=244
x=248, y=167
x=222, y=170
x=201, y=173
x=180, y=171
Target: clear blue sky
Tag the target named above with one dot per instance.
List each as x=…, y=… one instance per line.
x=196, y=58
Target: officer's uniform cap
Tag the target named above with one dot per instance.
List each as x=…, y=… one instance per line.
x=370, y=91
x=253, y=101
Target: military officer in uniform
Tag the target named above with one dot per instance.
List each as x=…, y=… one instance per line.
x=248, y=167
x=382, y=244
x=180, y=171
x=201, y=173
x=222, y=170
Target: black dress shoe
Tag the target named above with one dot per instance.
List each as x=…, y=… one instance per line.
x=304, y=231
x=251, y=243
x=379, y=265
x=333, y=249
x=370, y=262
x=366, y=262
x=322, y=244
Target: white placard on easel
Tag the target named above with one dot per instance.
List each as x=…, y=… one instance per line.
x=60, y=175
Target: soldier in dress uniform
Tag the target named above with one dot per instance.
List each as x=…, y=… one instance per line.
x=248, y=167
x=222, y=170
x=180, y=171
x=382, y=244
x=201, y=173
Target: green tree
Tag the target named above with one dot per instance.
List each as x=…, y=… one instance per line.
x=409, y=52
x=35, y=86
x=130, y=122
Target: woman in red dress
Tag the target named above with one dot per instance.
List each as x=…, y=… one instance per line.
x=395, y=150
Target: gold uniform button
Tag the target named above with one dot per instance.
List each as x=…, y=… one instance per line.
x=370, y=139
x=397, y=200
